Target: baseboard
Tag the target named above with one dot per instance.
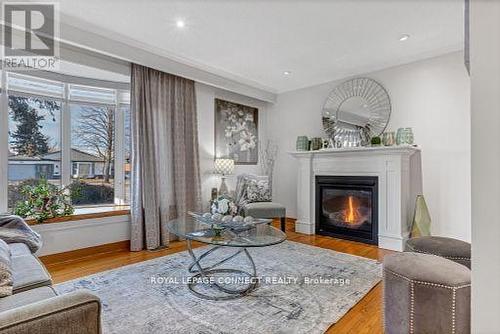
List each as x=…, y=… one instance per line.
x=85, y=252
x=394, y=243
x=304, y=228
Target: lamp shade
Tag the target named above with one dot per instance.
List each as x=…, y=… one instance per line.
x=224, y=166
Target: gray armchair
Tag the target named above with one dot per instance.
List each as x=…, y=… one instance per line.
x=267, y=209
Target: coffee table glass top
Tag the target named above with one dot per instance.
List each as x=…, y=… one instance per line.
x=257, y=236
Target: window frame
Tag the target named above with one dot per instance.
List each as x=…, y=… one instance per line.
x=4, y=145
x=65, y=131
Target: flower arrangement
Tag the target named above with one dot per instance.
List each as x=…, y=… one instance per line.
x=239, y=130
x=43, y=201
x=223, y=205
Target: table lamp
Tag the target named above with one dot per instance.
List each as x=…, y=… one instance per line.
x=223, y=166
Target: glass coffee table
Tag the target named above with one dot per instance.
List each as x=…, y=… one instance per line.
x=207, y=278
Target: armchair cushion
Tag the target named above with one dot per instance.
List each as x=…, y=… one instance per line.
x=264, y=210
x=258, y=190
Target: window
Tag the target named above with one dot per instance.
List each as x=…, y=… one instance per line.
x=34, y=143
x=72, y=135
x=92, y=153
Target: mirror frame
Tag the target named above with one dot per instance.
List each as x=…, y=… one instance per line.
x=378, y=104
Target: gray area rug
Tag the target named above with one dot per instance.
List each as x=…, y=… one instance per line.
x=304, y=289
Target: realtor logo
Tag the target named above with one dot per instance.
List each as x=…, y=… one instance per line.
x=30, y=35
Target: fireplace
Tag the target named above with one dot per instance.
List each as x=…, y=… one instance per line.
x=347, y=207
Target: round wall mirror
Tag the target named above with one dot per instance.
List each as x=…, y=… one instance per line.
x=355, y=111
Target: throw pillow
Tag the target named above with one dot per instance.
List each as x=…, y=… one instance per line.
x=258, y=190
x=5, y=270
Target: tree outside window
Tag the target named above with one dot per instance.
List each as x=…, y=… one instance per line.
x=93, y=153
x=34, y=136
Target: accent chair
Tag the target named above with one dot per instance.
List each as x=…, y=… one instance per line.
x=256, y=206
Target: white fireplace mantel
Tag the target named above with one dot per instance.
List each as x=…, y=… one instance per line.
x=398, y=169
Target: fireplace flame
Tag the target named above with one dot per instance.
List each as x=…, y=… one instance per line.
x=350, y=211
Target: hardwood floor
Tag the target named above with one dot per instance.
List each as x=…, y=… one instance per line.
x=364, y=317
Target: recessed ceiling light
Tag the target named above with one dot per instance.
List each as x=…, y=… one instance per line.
x=404, y=37
x=180, y=24
x=287, y=72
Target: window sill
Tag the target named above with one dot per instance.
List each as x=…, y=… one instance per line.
x=87, y=213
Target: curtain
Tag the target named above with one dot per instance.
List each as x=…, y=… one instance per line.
x=165, y=164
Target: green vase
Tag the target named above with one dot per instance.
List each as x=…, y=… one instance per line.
x=316, y=143
x=421, y=219
x=302, y=143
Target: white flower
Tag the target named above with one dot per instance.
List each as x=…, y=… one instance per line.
x=247, y=141
x=229, y=131
x=240, y=126
x=249, y=117
x=214, y=208
x=233, y=209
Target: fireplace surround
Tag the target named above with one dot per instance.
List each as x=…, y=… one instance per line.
x=399, y=174
x=347, y=207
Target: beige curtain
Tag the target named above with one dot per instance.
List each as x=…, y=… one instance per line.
x=165, y=165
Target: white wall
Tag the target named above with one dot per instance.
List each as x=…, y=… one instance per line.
x=205, y=96
x=485, y=78
x=432, y=97
x=68, y=236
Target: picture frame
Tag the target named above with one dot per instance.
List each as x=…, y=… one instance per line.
x=236, y=132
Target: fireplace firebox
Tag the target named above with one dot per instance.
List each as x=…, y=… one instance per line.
x=347, y=207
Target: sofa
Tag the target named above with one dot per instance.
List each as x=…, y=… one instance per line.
x=35, y=307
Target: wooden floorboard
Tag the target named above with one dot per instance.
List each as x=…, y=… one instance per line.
x=364, y=317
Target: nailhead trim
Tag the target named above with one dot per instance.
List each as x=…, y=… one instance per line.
x=446, y=257
x=412, y=306
x=427, y=283
x=384, y=318
x=453, y=310
x=412, y=298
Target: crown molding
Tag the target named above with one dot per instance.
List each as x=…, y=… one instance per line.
x=131, y=51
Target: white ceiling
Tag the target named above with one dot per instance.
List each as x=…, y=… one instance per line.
x=254, y=42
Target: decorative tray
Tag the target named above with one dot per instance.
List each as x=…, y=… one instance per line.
x=237, y=223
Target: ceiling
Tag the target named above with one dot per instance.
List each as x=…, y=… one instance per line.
x=254, y=42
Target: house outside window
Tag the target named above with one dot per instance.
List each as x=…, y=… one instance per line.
x=71, y=135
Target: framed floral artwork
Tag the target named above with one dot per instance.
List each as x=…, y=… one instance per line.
x=236, y=132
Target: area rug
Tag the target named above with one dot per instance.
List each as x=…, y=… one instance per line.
x=303, y=289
